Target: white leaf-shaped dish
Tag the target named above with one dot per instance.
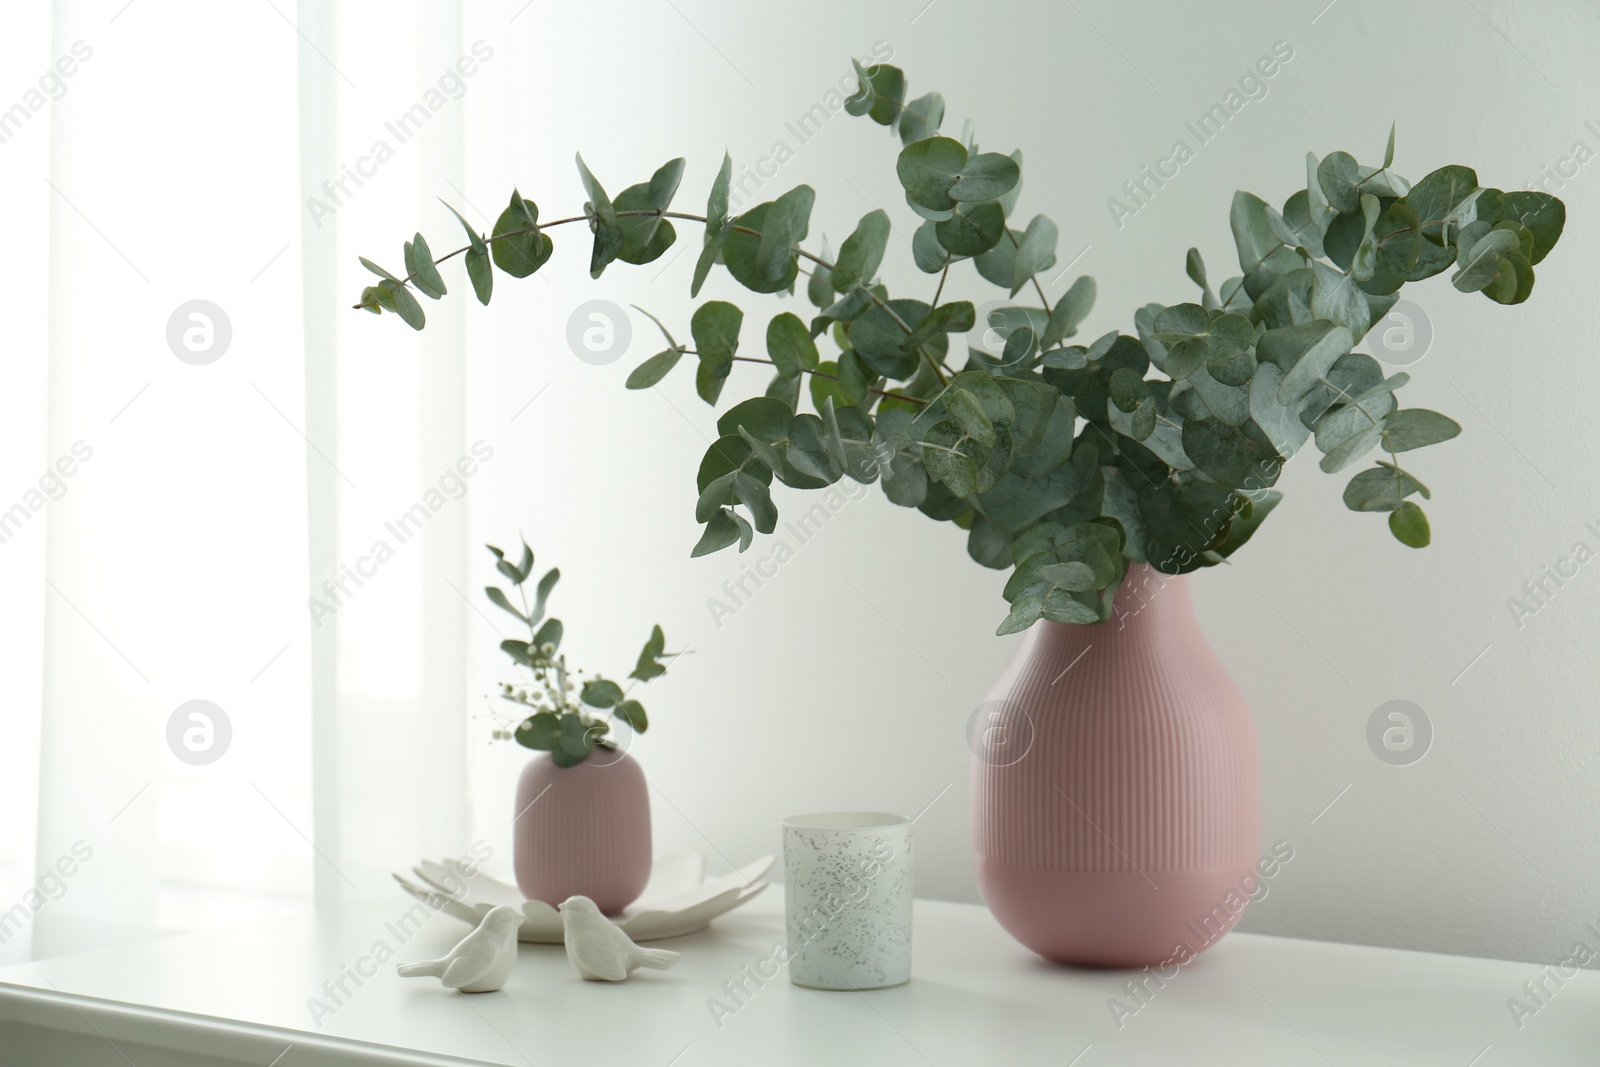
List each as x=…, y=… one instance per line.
x=677, y=900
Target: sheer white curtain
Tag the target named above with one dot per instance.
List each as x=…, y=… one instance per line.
x=180, y=477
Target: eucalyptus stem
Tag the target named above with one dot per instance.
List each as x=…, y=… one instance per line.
x=653, y=212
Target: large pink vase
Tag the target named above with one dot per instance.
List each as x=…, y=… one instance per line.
x=1116, y=789
x=583, y=830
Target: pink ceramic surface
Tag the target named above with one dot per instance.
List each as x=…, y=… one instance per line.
x=1128, y=832
x=583, y=830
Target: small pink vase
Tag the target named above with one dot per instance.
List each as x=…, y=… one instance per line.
x=583, y=830
x=1119, y=823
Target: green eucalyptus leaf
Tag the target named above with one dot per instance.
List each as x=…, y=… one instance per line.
x=1313, y=363
x=955, y=317
x=1339, y=178
x=973, y=228
x=379, y=271
x=1035, y=252
x=808, y=450
x=1239, y=456
x=819, y=287
x=879, y=337
x=632, y=713
x=608, y=236
x=549, y=634
x=931, y=257
x=789, y=345
x=497, y=597
x=756, y=498
x=664, y=183
x=921, y=118
x=717, y=201
x=1008, y=199
x=645, y=238
x=928, y=170
x=707, y=259
x=419, y=263
x=649, y=665
x=989, y=544
x=1542, y=214
x=1481, y=261
x=1418, y=428
x=541, y=732
x=967, y=413
x=1337, y=298
x=1258, y=233
x=1352, y=447
x=405, y=305
x=1381, y=488
x=1070, y=311
x=985, y=177
x=762, y=417
x=518, y=247
x=714, y=495
x=881, y=94
x=1409, y=525
x=720, y=532
x=481, y=274
x=1280, y=424
x=1195, y=267
x=861, y=253
x=784, y=226
x=742, y=252
x=845, y=379
x=542, y=593
x=715, y=327
x=1247, y=522
x=906, y=483
x=946, y=463
x=1437, y=199
x=653, y=369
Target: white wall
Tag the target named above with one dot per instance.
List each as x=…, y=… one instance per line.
x=847, y=681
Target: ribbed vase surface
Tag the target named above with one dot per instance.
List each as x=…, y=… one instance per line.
x=1117, y=797
x=583, y=830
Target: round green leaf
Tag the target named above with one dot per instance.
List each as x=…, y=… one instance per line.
x=985, y=177
x=862, y=252
x=790, y=346
x=1409, y=525
x=741, y=253
x=1238, y=456
x=928, y=170
x=973, y=228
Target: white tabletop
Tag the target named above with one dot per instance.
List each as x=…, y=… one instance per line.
x=976, y=998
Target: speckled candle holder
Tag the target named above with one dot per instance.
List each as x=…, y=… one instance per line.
x=847, y=887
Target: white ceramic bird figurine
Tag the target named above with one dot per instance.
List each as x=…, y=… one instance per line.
x=599, y=948
x=481, y=962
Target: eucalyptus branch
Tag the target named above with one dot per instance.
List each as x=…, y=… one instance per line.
x=982, y=449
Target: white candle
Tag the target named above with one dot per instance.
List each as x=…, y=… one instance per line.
x=847, y=887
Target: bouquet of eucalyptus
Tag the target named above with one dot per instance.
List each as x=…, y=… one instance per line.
x=560, y=711
x=1062, y=462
